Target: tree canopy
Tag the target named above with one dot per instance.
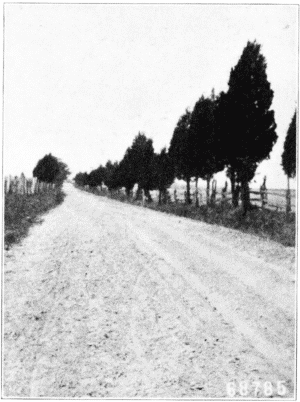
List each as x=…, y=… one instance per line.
x=163, y=172
x=248, y=121
x=50, y=169
x=205, y=143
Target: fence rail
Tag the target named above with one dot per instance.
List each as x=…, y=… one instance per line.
x=25, y=186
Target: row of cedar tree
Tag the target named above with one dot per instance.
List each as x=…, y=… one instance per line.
x=235, y=131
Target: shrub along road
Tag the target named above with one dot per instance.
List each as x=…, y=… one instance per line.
x=106, y=299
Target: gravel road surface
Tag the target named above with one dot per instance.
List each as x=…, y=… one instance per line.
x=106, y=299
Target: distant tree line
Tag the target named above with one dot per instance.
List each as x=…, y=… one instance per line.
x=234, y=130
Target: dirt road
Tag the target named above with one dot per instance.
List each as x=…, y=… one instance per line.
x=106, y=299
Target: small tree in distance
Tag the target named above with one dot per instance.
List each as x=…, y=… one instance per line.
x=81, y=179
x=47, y=169
x=111, y=177
x=163, y=171
x=141, y=159
x=126, y=173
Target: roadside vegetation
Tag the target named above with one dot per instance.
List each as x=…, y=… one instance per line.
x=23, y=210
x=266, y=223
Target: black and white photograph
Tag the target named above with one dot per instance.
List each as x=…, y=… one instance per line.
x=149, y=190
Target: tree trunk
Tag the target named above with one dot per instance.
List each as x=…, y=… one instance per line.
x=245, y=195
x=188, y=190
x=138, y=195
x=197, y=199
x=159, y=197
x=207, y=190
x=288, y=198
x=148, y=195
x=213, y=193
x=234, y=191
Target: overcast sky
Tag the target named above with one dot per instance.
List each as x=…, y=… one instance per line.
x=80, y=81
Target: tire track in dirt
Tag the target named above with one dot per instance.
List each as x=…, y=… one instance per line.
x=279, y=356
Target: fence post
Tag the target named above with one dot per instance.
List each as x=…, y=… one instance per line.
x=16, y=185
x=224, y=192
x=213, y=192
x=10, y=186
x=196, y=198
x=263, y=193
x=28, y=186
x=22, y=182
x=175, y=196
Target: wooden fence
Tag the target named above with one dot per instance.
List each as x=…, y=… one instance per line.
x=280, y=200
x=25, y=186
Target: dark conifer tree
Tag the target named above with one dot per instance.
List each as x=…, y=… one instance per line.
x=141, y=159
x=250, y=122
x=289, y=150
x=163, y=171
x=206, y=147
x=81, y=179
x=111, y=179
x=126, y=172
x=180, y=151
x=96, y=177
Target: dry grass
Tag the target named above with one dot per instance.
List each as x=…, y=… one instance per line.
x=22, y=211
x=266, y=223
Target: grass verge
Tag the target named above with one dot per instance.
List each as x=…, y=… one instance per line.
x=265, y=223
x=22, y=211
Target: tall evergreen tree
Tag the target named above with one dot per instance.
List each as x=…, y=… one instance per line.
x=97, y=176
x=126, y=173
x=180, y=151
x=163, y=171
x=206, y=148
x=250, y=122
x=289, y=150
x=81, y=179
x=224, y=116
x=141, y=160
x=111, y=179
